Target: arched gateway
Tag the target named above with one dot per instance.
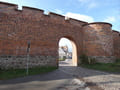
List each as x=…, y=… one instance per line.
x=17, y=27
x=74, y=61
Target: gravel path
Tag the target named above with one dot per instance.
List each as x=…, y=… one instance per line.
x=107, y=81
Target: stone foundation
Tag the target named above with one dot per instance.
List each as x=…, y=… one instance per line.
x=15, y=62
x=104, y=59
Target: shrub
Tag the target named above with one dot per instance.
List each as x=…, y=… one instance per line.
x=117, y=60
x=92, y=61
x=84, y=59
x=64, y=57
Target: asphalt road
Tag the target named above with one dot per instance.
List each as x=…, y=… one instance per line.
x=49, y=81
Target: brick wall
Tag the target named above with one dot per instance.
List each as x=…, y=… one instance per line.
x=116, y=39
x=43, y=31
x=17, y=27
x=98, y=41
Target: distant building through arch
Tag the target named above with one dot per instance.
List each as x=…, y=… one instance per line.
x=67, y=53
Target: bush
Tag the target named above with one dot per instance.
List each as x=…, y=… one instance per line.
x=117, y=60
x=86, y=60
x=63, y=58
x=92, y=61
x=83, y=59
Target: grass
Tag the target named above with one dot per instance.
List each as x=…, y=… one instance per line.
x=61, y=59
x=109, y=67
x=14, y=73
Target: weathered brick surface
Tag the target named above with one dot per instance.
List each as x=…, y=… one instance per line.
x=44, y=32
x=116, y=40
x=98, y=40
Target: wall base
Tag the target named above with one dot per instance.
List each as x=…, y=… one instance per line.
x=104, y=59
x=20, y=62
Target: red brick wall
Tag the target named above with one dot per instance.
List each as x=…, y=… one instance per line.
x=44, y=31
x=116, y=44
x=17, y=27
x=98, y=39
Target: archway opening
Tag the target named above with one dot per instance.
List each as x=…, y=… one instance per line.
x=67, y=52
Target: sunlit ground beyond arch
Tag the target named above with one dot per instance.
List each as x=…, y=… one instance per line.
x=67, y=50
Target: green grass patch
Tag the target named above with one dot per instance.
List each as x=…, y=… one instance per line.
x=63, y=58
x=109, y=67
x=14, y=73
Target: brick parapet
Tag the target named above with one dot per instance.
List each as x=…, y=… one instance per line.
x=36, y=13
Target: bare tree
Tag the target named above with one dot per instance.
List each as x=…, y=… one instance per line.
x=65, y=49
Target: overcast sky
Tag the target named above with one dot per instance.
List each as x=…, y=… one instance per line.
x=85, y=10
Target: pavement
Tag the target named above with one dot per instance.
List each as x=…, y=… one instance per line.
x=95, y=80
x=55, y=80
x=67, y=77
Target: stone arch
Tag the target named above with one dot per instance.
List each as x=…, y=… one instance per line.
x=74, y=49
